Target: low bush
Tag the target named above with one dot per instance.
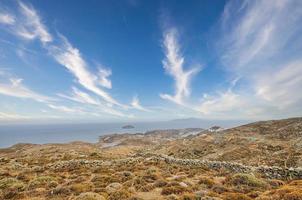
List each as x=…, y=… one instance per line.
x=11, y=184
x=81, y=187
x=176, y=189
x=43, y=181
x=206, y=181
x=120, y=194
x=236, y=196
x=246, y=179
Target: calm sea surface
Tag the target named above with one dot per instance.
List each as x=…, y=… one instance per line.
x=61, y=133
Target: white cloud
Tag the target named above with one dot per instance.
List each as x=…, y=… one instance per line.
x=258, y=31
x=84, y=98
x=136, y=104
x=11, y=116
x=283, y=87
x=174, y=66
x=225, y=101
x=15, y=88
x=81, y=97
x=64, y=109
x=103, y=78
x=30, y=27
x=71, y=58
x=261, y=42
x=6, y=18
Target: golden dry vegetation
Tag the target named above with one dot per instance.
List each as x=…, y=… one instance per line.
x=26, y=172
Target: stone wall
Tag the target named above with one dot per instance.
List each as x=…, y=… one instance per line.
x=268, y=171
x=272, y=172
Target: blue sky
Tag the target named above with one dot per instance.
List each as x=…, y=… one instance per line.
x=139, y=60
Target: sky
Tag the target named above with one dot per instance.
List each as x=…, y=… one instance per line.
x=134, y=60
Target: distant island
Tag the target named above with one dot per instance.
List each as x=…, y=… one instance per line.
x=128, y=127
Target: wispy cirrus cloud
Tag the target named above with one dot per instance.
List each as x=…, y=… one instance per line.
x=6, y=18
x=71, y=58
x=174, y=66
x=86, y=99
x=64, y=109
x=261, y=42
x=282, y=87
x=80, y=96
x=66, y=55
x=31, y=27
x=103, y=77
x=223, y=102
x=135, y=103
x=15, y=88
x=4, y=116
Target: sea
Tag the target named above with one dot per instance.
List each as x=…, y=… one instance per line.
x=11, y=134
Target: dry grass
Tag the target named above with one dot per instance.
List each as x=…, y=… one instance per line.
x=236, y=196
x=24, y=173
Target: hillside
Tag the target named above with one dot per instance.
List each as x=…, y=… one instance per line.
x=276, y=143
x=176, y=164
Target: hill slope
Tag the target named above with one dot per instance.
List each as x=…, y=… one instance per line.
x=136, y=166
x=277, y=142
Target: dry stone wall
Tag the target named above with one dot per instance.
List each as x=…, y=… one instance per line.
x=272, y=172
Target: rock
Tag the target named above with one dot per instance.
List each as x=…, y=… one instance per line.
x=183, y=184
x=113, y=187
x=90, y=196
x=201, y=193
x=60, y=190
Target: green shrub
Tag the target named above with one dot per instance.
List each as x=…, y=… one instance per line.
x=120, y=194
x=11, y=184
x=236, y=196
x=43, y=181
x=206, y=181
x=247, y=179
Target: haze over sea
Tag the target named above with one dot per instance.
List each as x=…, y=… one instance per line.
x=11, y=134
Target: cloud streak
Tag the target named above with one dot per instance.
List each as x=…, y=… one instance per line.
x=84, y=98
x=261, y=42
x=12, y=116
x=136, y=104
x=174, y=66
x=103, y=78
x=31, y=26
x=15, y=88
x=7, y=19
x=71, y=59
